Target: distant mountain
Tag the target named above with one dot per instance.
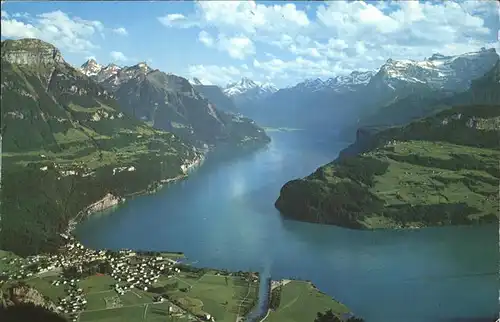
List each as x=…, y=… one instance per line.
x=397, y=79
x=313, y=103
x=66, y=145
x=338, y=84
x=343, y=100
x=91, y=68
x=429, y=99
x=215, y=95
x=98, y=72
x=246, y=91
x=438, y=72
x=436, y=171
x=171, y=103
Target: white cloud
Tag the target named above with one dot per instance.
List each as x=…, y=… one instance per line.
x=118, y=56
x=177, y=20
x=205, y=38
x=280, y=70
x=346, y=34
x=242, y=17
x=212, y=74
x=21, y=15
x=120, y=31
x=70, y=33
x=238, y=47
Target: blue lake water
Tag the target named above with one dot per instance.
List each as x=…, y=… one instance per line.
x=223, y=216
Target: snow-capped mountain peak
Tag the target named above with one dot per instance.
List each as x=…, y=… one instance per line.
x=340, y=84
x=91, y=67
x=97, y=71
x=240, y=86
x=438, y=71
x=141, y=66
x=269, y=87
x=195, y=81
x=247, y=90
x=248, y=86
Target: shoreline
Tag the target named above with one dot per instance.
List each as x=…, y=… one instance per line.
x=109, y=200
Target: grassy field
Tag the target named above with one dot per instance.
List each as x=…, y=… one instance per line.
x=97, y=283
x=210, y=294
x=221, y=300
x=44, y=285
x=422, y=173
x=123, y=314
x=225, y=298
x=300, y=302
x=97, y=301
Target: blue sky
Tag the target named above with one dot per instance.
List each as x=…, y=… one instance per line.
x=278, y=42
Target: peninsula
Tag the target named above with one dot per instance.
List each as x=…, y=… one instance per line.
x=442, y=170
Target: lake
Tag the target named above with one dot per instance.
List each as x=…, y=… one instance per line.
x=223, y=216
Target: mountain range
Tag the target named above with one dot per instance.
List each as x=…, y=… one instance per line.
x=171, y=103
x=363, y=97
x=247, y=91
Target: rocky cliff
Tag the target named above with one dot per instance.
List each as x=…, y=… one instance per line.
x=32, y=52
x=23, y=294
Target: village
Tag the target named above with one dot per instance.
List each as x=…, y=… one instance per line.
x=74, y=262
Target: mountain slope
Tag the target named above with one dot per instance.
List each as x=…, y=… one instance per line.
x=216, y=96
x=441, y=170
x=169, y=102
x=66, y=145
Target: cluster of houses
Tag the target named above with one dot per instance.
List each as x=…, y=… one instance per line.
x=130, y=270
x=139, y=273
x=75, y=302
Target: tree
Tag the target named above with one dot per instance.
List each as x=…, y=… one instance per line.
x=355, y=319
x=328, y=316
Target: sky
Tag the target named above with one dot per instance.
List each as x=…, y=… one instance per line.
x=281, y=42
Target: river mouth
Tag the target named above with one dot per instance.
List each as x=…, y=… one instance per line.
x=223, y=216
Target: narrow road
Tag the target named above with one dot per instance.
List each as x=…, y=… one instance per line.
x=242, y=301
x=267, y=314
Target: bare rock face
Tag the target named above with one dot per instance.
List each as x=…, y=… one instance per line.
x=108, y=201
x=30, y=52
x=22, y=294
